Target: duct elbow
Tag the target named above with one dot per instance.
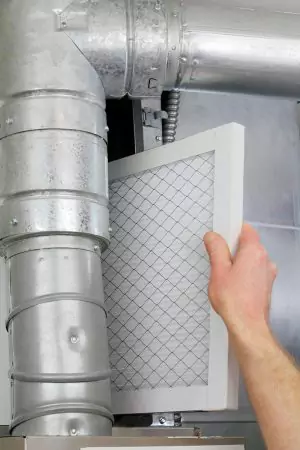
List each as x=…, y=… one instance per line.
x=190, y=45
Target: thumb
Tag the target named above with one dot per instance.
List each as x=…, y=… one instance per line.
x=219, y=254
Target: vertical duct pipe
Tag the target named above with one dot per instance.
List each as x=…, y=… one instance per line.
x=53, y=225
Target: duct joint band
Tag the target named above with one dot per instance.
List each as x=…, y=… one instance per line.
x=52, y=110
x=46, y=410
x=49, y=299
x=59, y=377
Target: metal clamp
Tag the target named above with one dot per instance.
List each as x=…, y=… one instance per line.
x=166, y=420
x=153, y=118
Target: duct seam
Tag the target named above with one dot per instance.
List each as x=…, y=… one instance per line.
x=49, y=299
x=61, y=409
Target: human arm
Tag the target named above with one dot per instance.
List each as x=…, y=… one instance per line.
x=240, y=291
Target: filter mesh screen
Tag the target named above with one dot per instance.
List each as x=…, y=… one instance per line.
x=155, y=276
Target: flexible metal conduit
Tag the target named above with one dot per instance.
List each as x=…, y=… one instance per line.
x=58, y=61
x=170, y=124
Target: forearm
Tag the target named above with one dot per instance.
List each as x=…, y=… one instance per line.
x=240, y=290
x=273, y=384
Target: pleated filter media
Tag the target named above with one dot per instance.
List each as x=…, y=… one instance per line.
x=156, y=275
x=168, y=350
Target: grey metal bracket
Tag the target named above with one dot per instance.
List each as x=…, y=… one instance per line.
x=166, y=420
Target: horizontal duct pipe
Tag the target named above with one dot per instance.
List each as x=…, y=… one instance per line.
x=59, y=60
x=143, y=48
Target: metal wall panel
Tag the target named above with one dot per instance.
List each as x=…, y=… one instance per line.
x=272, y=148
x=283, y=246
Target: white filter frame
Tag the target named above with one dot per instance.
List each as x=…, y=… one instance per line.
x=227, y=142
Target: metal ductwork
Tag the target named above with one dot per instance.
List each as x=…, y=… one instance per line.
x=58, y=62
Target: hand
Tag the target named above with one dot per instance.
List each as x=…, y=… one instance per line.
x=240, y=287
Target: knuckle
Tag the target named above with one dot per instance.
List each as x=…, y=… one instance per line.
x=274, y=269
x=213, y=292
x=261, y=253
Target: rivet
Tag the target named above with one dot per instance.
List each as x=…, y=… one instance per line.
x=158, y=138
x=196, y=62
x=14, y=222
x=183, y=59
x=64, y=24
x=74, y=339
x=96, y=248
x=74, y=432
x=9, y=121
x=174, y=47
x=106, y=128
x=162, y=420
x=110, y=230
x=158, y=6
x=175, y=13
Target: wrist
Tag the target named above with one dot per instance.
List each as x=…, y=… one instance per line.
x=251, y=337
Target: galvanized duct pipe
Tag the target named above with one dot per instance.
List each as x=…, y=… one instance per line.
x=145, y=46
x=53, y=225
x=58, y=60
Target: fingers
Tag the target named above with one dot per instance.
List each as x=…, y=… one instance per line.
x=219, y=254
x=248, y=240
x=251, y=250
x=248, y=236
x=274, y=270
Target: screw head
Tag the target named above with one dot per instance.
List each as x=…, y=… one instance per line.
x=158, y=138
x=9, y=121
x=74, y=339
x=14, y=222
x=96, y=248
x=162, y=420
x=73, y=432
